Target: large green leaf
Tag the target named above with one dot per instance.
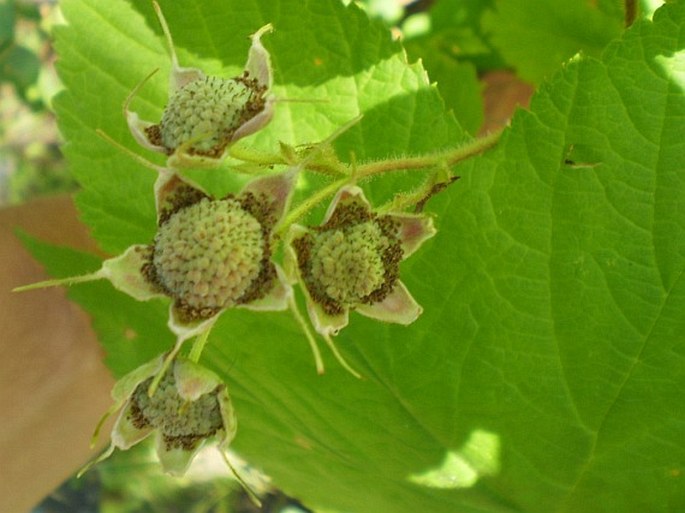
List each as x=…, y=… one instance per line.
x=547, y=372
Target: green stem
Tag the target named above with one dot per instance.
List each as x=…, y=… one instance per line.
x=198, y=346
x=295, y=310
x=307, y=162
x=339, y=357
x=253, y=157
x=250, y=492
x=304, y=207
x=445, y=159
x=448, y=158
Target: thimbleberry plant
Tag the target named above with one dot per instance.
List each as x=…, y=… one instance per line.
x=211, y=254
x=190, y=406
x=204, y=114
x=352, y=261
x=518, y=329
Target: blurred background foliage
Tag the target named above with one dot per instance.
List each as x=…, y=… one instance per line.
x=131, y=482
x=30, y=161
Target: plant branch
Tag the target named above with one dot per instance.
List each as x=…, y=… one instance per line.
x=444, y=159
x=304, y=207
x=449, y=158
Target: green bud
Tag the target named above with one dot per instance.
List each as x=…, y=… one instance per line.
x=208, y=254
x=351, y=262
x=351, y=259
x=206, y=113
x=181, y=423
x=348, y=263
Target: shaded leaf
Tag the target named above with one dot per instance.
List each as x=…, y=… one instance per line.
x=457, y=81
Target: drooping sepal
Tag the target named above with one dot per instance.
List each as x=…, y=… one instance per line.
x=124, y=273
x=397, y=307
x=414, y=230
x=324, y=322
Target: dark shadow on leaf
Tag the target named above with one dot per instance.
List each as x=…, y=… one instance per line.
x=312, y=42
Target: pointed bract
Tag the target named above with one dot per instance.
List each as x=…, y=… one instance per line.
x=276, y=300
x=179, y=76
x=137, y=126
x=324, y=322
x=126, y=433
x=276, y=188
x=124, y=274
x=397, y=307
x=347, y=193
x=258, y=64
x=414, y=230
x=175, y=460
x=186, y=329
x=193, y=380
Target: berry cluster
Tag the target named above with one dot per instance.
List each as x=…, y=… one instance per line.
x=211, y=254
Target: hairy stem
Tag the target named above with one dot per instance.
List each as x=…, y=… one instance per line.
x=448, y=158
x=304, y=207
x=444, y=159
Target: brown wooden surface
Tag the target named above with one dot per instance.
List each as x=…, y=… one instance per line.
x=53, y=385
x=503, y=93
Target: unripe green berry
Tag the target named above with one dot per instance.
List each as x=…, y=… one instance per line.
x=348, y=262
x=182, y=423
x=207, y=112
x=208, y=254
x=352, y=259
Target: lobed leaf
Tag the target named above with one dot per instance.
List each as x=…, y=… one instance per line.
x=546, y=373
